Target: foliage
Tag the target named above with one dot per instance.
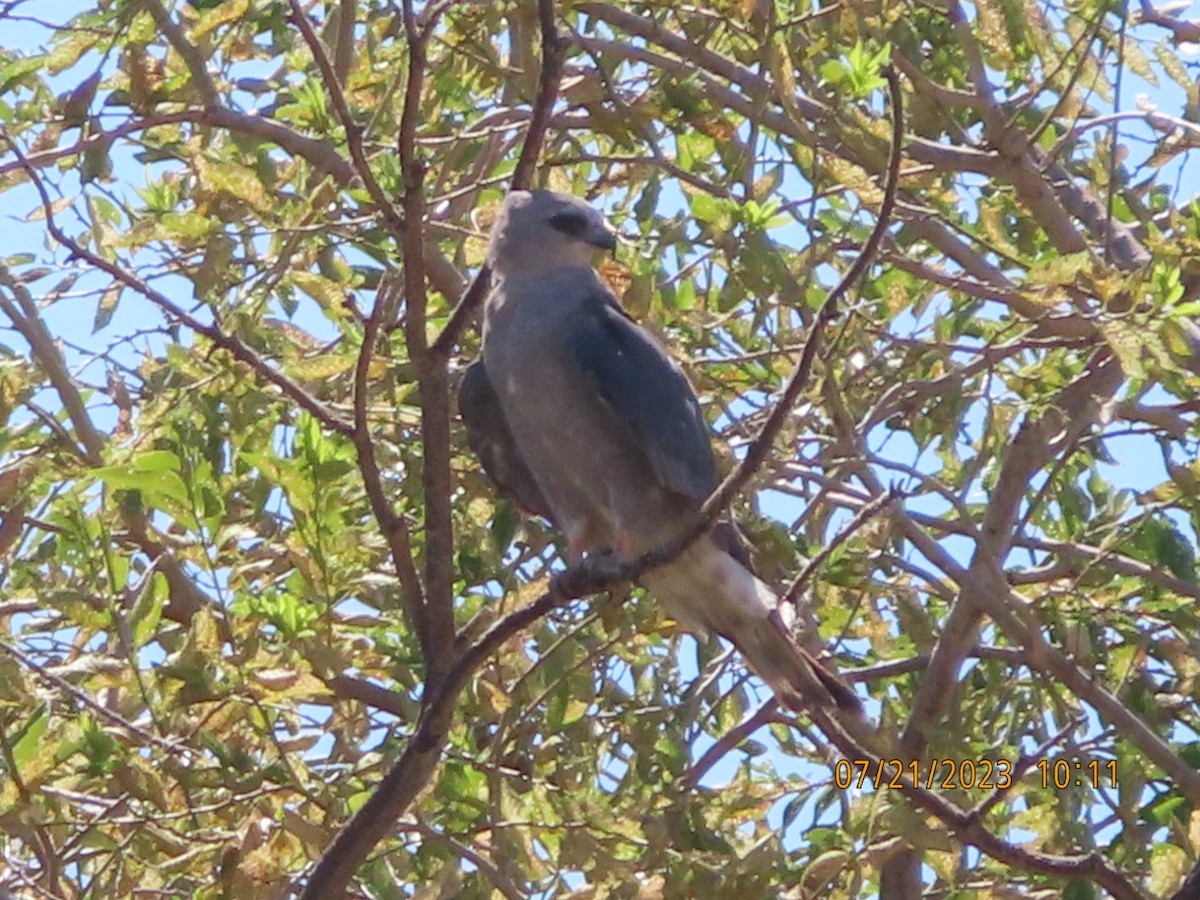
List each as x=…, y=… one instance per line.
x=229, y=475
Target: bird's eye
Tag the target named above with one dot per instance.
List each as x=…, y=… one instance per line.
x=570, y=223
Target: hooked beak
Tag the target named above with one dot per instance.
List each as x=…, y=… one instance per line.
x=603, y=239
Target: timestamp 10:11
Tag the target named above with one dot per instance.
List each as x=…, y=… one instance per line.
x=1061, y=774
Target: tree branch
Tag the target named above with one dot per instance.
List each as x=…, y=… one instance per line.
x=354, y=137
x=192, y=57
x=1183, y=31
x=757, y=452
x=431, y=375
x=394, y=528
x=553, y=54
x=728, y=741
x=222, y=341
x=968, y=828
x=30, y=326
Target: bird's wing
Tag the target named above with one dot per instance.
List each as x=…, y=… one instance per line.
x=711, y=586
x=490, y=437
x=648, y=394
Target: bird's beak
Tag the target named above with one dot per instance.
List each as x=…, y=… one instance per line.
x=603, y=239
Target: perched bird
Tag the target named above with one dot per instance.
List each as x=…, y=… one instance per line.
x=491, y=440
x=579, y=415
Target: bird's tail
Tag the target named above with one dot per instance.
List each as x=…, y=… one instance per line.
x=705, y=589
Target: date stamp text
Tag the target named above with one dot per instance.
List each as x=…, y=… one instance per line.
x=988, y=774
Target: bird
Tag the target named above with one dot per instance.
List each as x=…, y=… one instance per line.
x=580, y=415
x=490, y=438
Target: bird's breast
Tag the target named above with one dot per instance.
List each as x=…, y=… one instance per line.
x=586, y=462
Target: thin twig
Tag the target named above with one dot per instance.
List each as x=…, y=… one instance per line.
x=222, y=341
x=196, y=63
x=392, y=219
x=394, y=528
x=969, y=829
x=865, y=514
x=554, y=48
x=30, y=326
x=727, y=742
x=763, y=442
x=1023, y=764
x=61, y=684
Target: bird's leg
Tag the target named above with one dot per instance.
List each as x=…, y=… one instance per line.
x=606, y=541
x=624, y=545
x=577, y=543
x=575, y=550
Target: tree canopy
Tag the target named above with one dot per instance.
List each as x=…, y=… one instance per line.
x=265, y=627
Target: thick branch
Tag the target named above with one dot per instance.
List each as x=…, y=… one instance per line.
x=431, y=374
x=394, y=528
x=1025, y=456
x=1183, y=31
x=991, y=593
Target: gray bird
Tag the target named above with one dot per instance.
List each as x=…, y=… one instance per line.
x=579, y=415
x=490, y=438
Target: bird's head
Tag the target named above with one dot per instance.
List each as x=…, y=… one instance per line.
x=541, y=229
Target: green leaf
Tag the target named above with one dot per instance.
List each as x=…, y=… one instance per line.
x=155, y=473
x=29, y=744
